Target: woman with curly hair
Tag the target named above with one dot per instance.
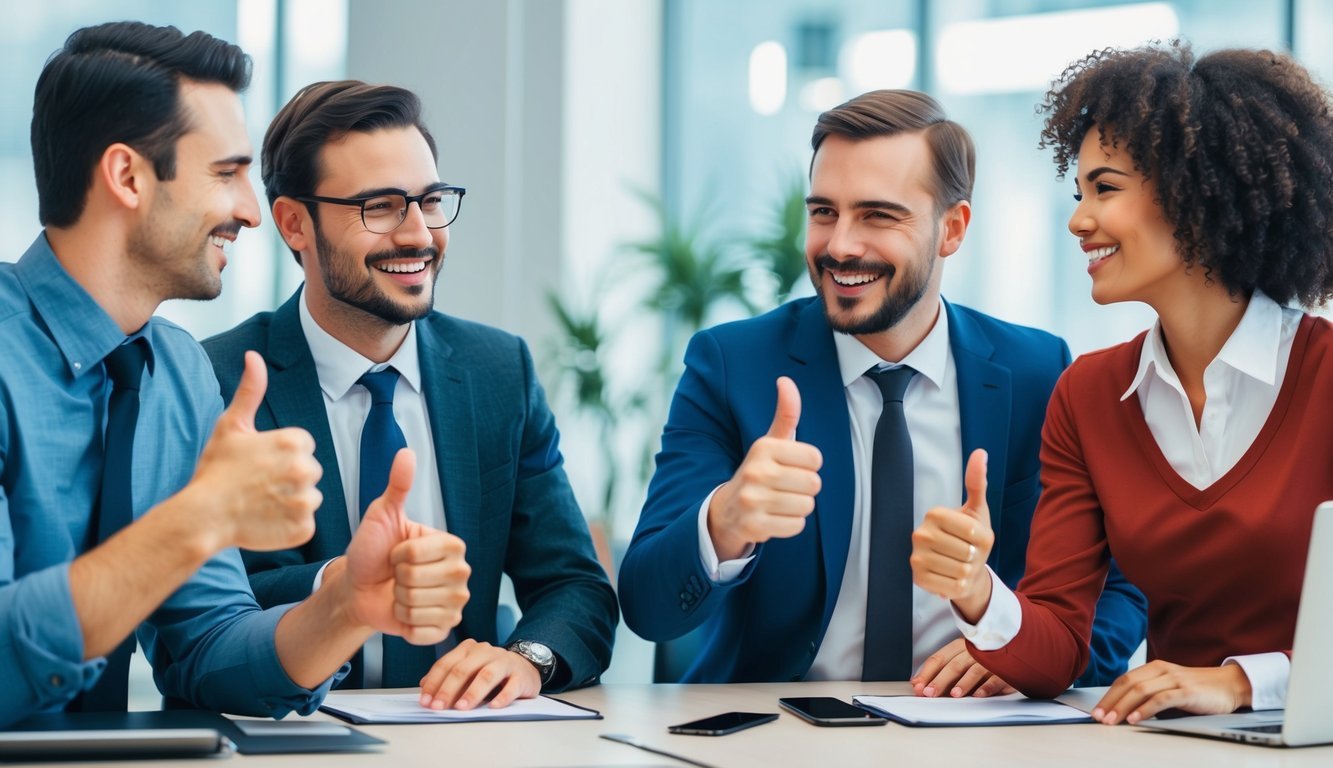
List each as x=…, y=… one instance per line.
x=1197, y=452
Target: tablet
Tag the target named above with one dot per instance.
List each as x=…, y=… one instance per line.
x=129, y=743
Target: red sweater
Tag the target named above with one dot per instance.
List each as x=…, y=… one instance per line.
x=1221, y=567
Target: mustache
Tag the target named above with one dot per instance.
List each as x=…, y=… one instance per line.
x=231, y=229
x=429, y=253
x=825, y=262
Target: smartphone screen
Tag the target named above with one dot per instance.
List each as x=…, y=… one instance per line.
x=721, y=725
x=824, y=710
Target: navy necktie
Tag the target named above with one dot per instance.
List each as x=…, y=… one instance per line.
x=888, y=641
x=115, y=504
x=381, y=436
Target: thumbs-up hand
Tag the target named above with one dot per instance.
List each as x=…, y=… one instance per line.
x=950, y=548
x=773, y=490
x=262, y=484
x=405, y=578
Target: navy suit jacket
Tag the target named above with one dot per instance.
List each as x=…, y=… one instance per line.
x=767, y=625
x=505, y=490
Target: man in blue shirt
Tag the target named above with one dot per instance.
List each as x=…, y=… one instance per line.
x=141, y=155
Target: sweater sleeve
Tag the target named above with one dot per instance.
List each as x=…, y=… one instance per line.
x=1068, y=560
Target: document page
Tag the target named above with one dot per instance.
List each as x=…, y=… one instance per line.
x=406, y=708
x=1014, y=709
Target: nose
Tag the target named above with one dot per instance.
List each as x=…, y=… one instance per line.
x=1081, y=222
x=844, y=242
x=413, y=232
x=247, y=209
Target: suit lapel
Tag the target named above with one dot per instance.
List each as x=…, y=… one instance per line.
x=294, y=398
x=826, y=425
x=985, y=403
x=447, y=388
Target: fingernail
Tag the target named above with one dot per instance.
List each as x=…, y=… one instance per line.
x=437, y=704
x=1133, y=718
x=957, y=692
x=425, y=700
x=462, y=704
x=1097, y=713
x=929, y=690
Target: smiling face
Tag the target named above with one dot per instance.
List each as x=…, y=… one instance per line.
x=178, y=247
x=390, y=276
x=874, y=239
x=1131, y=248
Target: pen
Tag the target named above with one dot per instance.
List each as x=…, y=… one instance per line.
x=633, y=742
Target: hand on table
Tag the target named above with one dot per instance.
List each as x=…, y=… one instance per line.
x=951, y=670
x=1147, y=690
x=473, y=672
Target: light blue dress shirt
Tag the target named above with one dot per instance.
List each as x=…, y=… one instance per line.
x=209, y=643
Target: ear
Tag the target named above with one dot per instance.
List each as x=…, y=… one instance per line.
x=294, y=223
x=954, y=225
x=125, y=174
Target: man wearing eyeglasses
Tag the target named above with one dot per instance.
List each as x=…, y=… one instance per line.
x=359, y=358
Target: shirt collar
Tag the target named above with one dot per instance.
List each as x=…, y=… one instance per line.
x=83, y=331
x=1251, y=349
x=339, y=366
x=929, y=358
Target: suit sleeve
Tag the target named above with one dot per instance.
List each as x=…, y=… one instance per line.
x=664, y=590
x=562, y=590
x=1067, y=566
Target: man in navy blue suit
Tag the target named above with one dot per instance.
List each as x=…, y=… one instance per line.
x=757, y=525
x=359, y=358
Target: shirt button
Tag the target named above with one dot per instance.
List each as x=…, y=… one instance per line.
x=78, y=366
x=814, y=648
x=57, y=681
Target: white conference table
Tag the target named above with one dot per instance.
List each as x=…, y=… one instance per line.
x=645, y=711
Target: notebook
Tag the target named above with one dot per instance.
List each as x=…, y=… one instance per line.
x=1309, y=697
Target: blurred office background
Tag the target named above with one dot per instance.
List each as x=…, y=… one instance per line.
x=629, y=160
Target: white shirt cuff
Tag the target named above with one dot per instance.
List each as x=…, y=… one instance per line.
x=999, y=624
x=319, y=577
x=1268, y=673
x=719, y=573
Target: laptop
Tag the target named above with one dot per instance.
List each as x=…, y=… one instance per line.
x=1306, y=719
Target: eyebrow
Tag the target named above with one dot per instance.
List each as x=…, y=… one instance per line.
x=235, y=160
x=1097, y=173
x=377, y=191
x=863, y=204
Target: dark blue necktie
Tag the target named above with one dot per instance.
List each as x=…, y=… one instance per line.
x=888, y=641
x=381, y=437
x=115, y=504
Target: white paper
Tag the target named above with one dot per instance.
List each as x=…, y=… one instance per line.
x=406, y=708
x=1013, y=709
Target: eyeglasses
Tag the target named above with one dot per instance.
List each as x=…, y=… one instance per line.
x=381, y=214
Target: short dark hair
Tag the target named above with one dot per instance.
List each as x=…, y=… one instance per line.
x=1239, y=144
x=322, y=113
x=891, y=112
x=118, y=82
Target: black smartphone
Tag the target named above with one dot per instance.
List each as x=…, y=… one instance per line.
x=721, y=725
x=823, y=710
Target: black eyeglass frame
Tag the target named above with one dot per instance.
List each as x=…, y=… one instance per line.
x=360, y=202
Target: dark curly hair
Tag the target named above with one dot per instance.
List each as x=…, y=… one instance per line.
x=1239, y=144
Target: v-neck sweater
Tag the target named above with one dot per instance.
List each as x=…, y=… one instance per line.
x=1221, y=566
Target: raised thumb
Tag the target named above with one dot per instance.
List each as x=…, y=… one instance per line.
x=788, y=411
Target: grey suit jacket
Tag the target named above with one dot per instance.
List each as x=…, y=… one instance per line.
x=505, y=490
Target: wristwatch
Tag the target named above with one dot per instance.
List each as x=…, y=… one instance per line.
x=538, y=655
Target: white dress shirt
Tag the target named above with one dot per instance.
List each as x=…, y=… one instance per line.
x=1241, y=385
x=931, y=407
x=347, y=404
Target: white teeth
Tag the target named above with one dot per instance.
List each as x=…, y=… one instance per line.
x=1097, y=254
x=220, y=242
x=856, y=279
x=402, y=268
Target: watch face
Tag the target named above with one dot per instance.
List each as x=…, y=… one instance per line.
x=539, y=653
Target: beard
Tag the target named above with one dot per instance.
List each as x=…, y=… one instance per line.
x=346, y=281
x=173, y=263
x=903, y=292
